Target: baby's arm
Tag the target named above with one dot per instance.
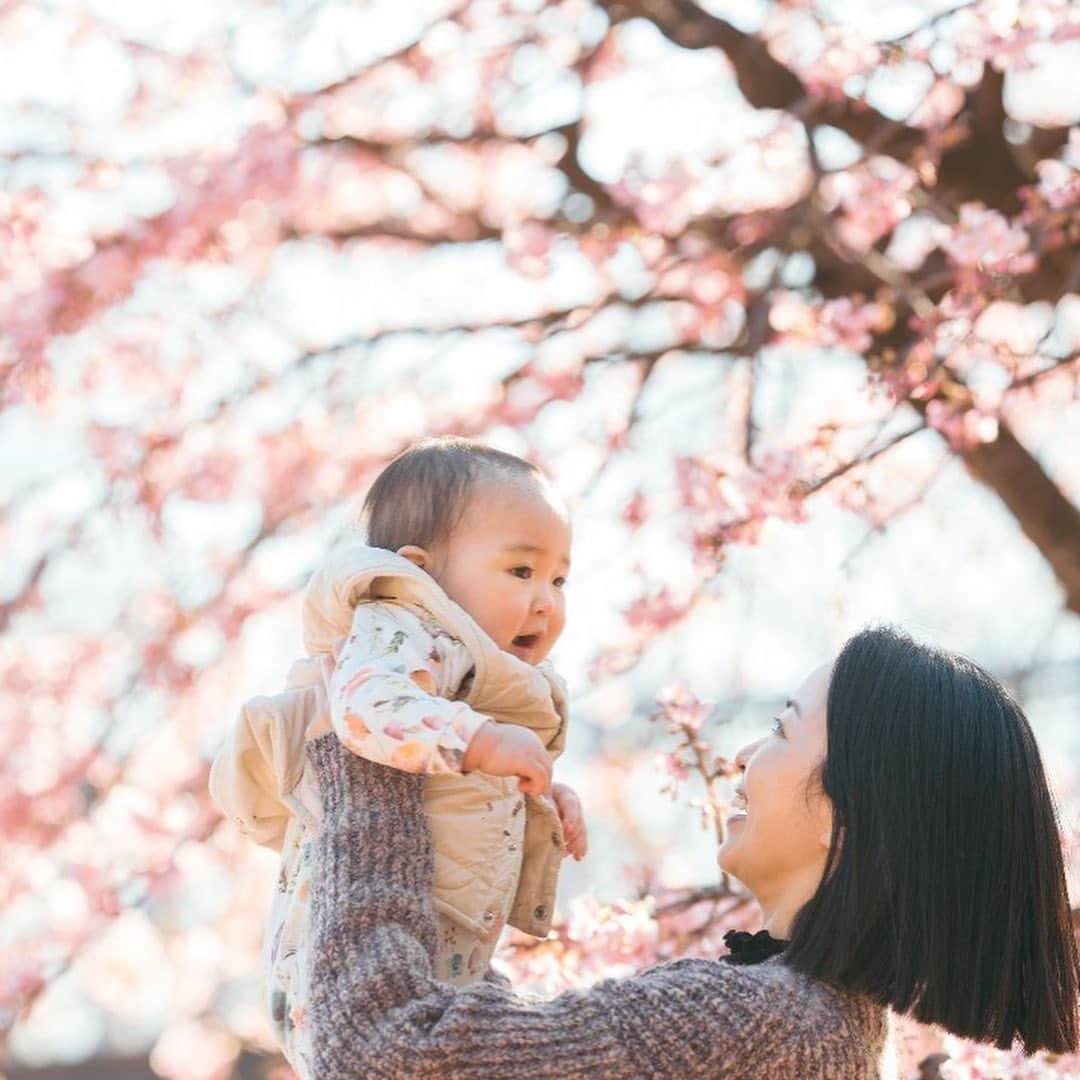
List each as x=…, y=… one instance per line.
x=387, y=705
x=385, y=702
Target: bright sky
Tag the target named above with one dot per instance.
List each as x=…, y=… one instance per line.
x=950, y=570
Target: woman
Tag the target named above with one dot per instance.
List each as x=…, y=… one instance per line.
x=895, y=828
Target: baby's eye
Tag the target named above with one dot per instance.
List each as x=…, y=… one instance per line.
x=560, y=582
x=523, y=572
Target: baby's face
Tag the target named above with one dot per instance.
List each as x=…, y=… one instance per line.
x=506, y=564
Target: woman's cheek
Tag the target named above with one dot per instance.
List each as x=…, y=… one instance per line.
x=756, y=782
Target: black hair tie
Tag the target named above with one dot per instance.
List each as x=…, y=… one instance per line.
x=747, y=948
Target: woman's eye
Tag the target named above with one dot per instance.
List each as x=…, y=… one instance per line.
x=523, y=572
x=778, y=726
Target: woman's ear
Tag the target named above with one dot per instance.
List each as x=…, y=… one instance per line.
x=825, y=838
x=415, y=555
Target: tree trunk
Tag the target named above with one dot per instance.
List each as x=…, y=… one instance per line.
x=1042, y=510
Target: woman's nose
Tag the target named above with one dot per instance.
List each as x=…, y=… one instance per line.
x=745, y=753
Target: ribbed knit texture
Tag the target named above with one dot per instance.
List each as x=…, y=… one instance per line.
x=377, y=1011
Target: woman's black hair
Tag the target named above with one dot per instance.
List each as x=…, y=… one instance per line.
x=421, y=496
x=944, y=889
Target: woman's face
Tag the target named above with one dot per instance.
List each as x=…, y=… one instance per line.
x=778, y=834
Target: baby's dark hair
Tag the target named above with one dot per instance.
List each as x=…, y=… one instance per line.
x=421, y=496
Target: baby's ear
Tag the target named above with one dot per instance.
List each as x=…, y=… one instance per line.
x=415, y=555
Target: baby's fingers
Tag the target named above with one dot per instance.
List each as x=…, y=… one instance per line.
x=544, y=765
x=570, y=814
x=577, y=844
x=531, y=785
x=535, y=777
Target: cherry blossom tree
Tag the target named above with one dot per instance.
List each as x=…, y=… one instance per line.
x=250, y=252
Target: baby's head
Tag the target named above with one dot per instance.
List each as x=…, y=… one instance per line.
x=489, y=529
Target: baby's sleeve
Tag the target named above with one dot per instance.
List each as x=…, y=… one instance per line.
x=385, y=702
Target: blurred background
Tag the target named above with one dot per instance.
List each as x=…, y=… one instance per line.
x=784, y=295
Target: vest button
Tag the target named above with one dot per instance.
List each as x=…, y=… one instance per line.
x=555, y=839
x=540, y=912
x=488, y=916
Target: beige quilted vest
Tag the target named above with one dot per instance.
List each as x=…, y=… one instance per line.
x=259, y=780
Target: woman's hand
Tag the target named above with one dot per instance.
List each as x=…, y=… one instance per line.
x=575, y=833
x=509, y=750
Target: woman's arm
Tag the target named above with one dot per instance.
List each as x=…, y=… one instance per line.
x=377, y=1010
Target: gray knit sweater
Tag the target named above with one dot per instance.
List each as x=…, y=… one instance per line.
x=377, y=1011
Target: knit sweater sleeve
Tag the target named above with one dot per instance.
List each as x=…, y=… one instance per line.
x=377, y=1010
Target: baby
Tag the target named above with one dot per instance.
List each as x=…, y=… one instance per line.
x=427, y=652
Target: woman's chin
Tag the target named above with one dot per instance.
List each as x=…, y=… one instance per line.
x=733, y=825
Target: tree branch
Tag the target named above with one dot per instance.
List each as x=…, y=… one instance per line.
x=815, y=486
x=765, y=82
x=1045, y=514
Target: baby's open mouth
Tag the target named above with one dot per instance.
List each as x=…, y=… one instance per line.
x=526, y=641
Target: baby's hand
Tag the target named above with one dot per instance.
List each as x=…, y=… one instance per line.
x=573, y=821
x=509, y=750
